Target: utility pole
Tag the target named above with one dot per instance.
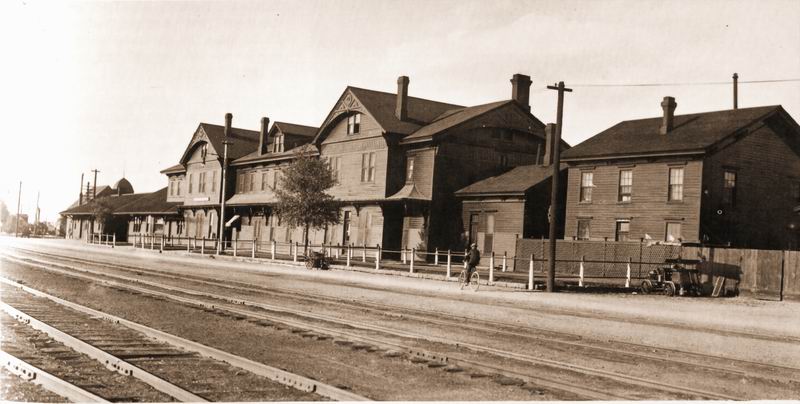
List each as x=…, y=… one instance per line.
x=551, y=270
x=226, y=142
x=94, y=191
x=735, y=91
x=16, y=225
x=36, y=220
x=80, y=193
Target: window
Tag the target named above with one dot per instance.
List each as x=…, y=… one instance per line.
x=353, y=124
x=201, y=182
x=240, y=183
x=191, y=180
x=179, y=227
x=410, y=169
x=623, y=230
x=214, y=181
x=178, y=188
x=676, y=184
x=673, y=233
x=503, y=160
x=586, y=186
x=279, y=143
x=625, y=185
x=204, y=152
x=171, y=188
x=137, y=224
x=336, y=167
x=263, y=180
x=251, y=180
x=275, y=179
x=583, y=229
x=367, y=167
x=729, y=188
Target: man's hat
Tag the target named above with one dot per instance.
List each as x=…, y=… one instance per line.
x=473, y=245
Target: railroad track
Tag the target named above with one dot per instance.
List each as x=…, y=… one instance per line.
x=136, y=351
x=567, y=340
x=376, y=336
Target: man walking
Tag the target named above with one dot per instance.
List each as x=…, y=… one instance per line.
x=473, y=259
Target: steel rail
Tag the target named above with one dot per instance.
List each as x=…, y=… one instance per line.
x=634, y=380
x=49, y=382
x=281, y=376
x=538, y=380
x=109, y=361
x=720, y=331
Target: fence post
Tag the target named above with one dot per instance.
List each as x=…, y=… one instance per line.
x=605, y=246
x=161, y=249
x=235, y=244
x=378, y=258
x=628, y=276
x=436, y=257
x=272, y=249
x=641, y=244
x=364, y=253
x=348, y=256
x=413, y=255
x=114, y=241
x=530, y=274
x=380, y=252
x=152, y=242
x=188, y=244
x=491, y=268
x=403, y=255
x=294, y=253
x=203, y=246
x=449, y=264
x=505, y=257
x=465, y=258
x=580, y=280
x=253, y=256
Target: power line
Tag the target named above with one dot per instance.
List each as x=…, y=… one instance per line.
x=706, y=83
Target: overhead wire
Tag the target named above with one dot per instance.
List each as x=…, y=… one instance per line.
x=706, y=83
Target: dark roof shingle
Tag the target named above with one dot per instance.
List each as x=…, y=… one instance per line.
x=382, y=106
x=691, y=132
x=514, y=182
x=243, y=141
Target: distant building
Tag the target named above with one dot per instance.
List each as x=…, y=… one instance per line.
x=727, y=177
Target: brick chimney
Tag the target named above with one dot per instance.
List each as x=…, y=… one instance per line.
x=263, y=136
x=550, y=135
x=521, y=90
x=401, y=111
x=667, y=123
x=228, y=119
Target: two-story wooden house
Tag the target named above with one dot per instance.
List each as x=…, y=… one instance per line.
x=725, y=177
x=399, y=160
x=196, y=182
x=258, y=175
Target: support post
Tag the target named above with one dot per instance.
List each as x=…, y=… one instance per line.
x=449, y=264
x=505, y=258
x=413, y=255
x=530, y=274
x=554, y=202
x=628, y=276
x=580, y=274
x=491, y=268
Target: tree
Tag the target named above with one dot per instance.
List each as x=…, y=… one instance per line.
x=302, y=198
x=4, y=214
x=102, y=212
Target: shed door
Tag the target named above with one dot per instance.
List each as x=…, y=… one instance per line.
x=488, y=237
x=473, y=228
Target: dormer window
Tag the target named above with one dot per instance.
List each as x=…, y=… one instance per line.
x=353, y=124
x=277, y=147
x=410, y=170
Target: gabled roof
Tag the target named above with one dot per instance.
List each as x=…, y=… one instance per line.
x=254, y=157
x=144, y=203
x=295, y=129
x=382, y=107
x=409, y=192
x=692, y=133
x=242, y=141
x=517, y=181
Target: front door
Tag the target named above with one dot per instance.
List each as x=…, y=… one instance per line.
x=346, y=228
x=473, y=227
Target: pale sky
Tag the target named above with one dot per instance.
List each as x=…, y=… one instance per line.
x=123, y=85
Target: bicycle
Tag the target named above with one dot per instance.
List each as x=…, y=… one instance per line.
x=473, y=280
x=316, y=260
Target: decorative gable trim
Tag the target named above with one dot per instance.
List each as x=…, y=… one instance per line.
x=347, y=104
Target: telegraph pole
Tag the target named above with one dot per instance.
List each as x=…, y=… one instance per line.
x=551, y=269
x=36, y=221
x=222, y=193
x=94, y=191
x=16, y=225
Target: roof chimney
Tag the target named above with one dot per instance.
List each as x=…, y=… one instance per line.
x=228, y=119
x=401, y=111
x=549, y=134
x=263, y=136
x=669, y=114
x=521, y=90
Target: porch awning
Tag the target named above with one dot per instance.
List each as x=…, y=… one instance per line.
x=409, y=191
x=251, y=199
